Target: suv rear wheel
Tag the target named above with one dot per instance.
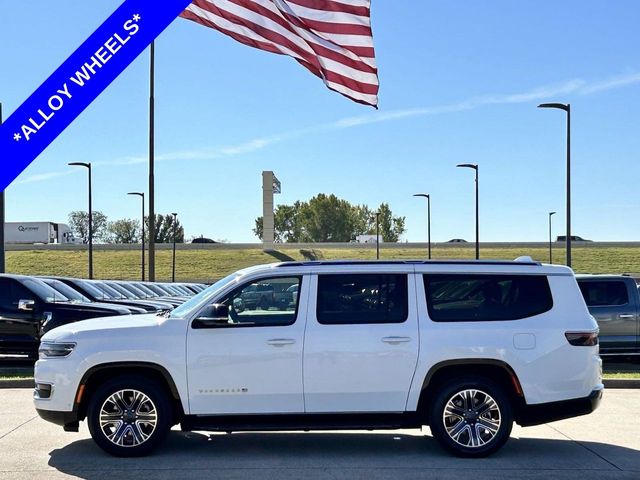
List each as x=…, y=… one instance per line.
x=129, y=416
x=471, y=417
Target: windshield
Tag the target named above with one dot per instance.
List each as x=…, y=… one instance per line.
x=123, y=290
x=146, y=290
x=92, y=290
x=44, y=291
x=106, y=293
x=66, y=290
x=135, y=291
x=157, y=290
x=194, y=302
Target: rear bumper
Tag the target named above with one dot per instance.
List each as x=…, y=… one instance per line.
x=553, y=411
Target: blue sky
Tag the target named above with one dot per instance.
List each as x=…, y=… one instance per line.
x=460, y=81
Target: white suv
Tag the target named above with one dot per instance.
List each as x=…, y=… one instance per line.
x=466, y=348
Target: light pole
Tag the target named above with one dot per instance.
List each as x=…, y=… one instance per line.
x=475, y=167
x=428, y=197
x=550, y=238
x=88, y=167
x=175, y=222
x=378, y=235
x=2, y=252
x=566, y=108
x=141, y=195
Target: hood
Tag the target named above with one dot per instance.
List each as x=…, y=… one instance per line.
x=102, y=325
x=107, y=308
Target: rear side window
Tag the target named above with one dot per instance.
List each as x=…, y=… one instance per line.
x=468, y=298
x=599, y=294
x=362, y=298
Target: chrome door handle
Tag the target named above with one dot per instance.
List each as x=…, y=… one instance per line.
x=281, y=342
x=626, y=315
x=396, y=340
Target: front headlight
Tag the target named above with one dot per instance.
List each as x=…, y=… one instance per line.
x=55, y=350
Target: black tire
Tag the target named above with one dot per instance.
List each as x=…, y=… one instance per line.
x=158, y=398
x=487, y=442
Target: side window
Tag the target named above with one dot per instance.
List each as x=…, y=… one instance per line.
x=266, y=302
x=598, y=294
x=468, y=298
x=362, y=299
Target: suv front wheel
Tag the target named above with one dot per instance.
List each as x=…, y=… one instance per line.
x=129, y=416
x=471, y=417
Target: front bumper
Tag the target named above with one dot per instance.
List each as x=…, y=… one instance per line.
x=550, y=412
x=67, y=420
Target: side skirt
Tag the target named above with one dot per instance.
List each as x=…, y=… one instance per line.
x=303, y=421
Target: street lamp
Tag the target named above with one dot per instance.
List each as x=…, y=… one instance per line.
x=566, y=108
x=141, y=195
x=88, y=167
x=426, y=195
x=475, y=167
x=175, y=223
x=550, y=238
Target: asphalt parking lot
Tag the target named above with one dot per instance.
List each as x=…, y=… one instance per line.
x=603, y=445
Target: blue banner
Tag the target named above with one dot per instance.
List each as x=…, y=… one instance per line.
x=80, y=79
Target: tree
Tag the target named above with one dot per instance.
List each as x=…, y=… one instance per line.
x=391, y=228
x=125, y=230
x=164, y=229
x=79, y=224
x=364, y=220
x=326, y=218
x=287, y=221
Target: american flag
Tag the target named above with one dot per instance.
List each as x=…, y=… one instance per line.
x=331, y=38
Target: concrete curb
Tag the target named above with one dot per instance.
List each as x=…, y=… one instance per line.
x=612, y=383
x=22, y=383
x=621, y=383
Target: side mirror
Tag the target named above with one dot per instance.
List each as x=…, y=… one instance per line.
x=26, y=305
x=216, y=315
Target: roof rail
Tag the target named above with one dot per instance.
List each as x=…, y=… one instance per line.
x=528, y=261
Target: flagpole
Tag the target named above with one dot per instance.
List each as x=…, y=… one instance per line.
x=152, y=214
x=2, y=254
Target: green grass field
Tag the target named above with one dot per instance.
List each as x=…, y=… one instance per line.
x=211, y=264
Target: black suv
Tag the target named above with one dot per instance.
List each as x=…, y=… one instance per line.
x=29, y=308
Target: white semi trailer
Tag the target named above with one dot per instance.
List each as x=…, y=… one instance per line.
x=38, y=232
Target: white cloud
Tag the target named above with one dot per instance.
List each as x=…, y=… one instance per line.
x=571, y=87
x=40, y=177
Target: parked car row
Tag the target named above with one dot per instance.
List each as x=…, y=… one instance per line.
x=31, y=306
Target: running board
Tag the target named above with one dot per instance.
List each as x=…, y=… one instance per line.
x=303, y=421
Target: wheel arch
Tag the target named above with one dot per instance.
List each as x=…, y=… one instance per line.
x=497, y=370
x=99, y=373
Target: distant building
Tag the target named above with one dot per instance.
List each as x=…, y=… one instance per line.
x=369, y=239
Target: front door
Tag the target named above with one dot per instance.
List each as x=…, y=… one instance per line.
x=361, y=342
x=19, y=329
x=253, y=362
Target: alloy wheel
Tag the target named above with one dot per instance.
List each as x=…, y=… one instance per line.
x=128, y=418
x=471, y=418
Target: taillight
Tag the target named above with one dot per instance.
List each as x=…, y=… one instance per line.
x=582, y=339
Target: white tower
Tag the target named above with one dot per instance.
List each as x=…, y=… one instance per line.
x=270, y=186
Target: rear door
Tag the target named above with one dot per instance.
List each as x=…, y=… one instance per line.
x=361, y=342
x=610, y=303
